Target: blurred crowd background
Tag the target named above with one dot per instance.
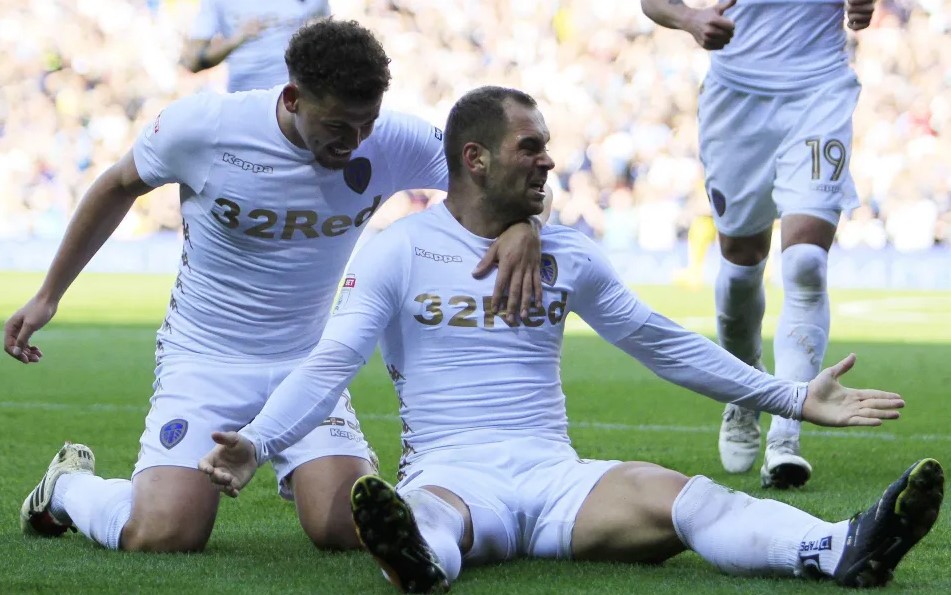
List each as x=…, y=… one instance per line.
x=80, y=78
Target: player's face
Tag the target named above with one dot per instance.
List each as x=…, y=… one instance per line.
x=333, y=129
x=517, y=173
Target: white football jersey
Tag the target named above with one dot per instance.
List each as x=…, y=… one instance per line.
x=782, y=46
x=268, y=231
x=462, y=374
x=258, y=63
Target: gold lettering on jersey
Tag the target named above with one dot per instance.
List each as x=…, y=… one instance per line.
x=468, y=314
x=432, y=303
x=228, y=213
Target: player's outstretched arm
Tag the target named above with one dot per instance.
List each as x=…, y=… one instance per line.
x=231, y=464
x=708, y=26
x=201, y=54
x=828, y=403
x=99, y=213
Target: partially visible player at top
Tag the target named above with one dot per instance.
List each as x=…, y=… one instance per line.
x=489, y=473
x=250, y=35
x=775, y=140
x=276, y=185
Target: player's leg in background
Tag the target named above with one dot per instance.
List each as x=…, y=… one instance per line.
x=641, y=512
x=737, y=140
x=813, y=186
x=802, y=335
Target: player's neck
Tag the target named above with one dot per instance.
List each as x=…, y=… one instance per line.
x=473, y=214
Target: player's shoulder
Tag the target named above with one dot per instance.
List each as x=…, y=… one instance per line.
x=561, y=237
x=400, y=127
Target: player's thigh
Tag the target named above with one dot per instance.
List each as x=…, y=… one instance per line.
x=173, y=510
x=483, y=494
x=812, y=166
x=627, y=515
x=174, y=505
x=319, y=471
x=738, y=143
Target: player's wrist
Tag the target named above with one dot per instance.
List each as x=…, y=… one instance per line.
x=260, y=453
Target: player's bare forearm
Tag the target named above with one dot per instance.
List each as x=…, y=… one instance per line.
x=202, y=54
x=710, y=27
x=99, y=213
x=672, y=14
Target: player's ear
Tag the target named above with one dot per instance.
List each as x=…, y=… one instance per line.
x=291, y=97
x=475, y=157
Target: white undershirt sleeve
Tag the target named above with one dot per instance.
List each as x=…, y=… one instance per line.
x=369, y=298
x=694, y=362
x=304, y=399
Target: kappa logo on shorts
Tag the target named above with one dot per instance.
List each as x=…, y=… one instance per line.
x=718, y=201
x=357, y=174
x=173, y=432
x=549, y=269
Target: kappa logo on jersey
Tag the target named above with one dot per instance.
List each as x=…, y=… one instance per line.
x=549, y=269
x=437, y=257
x=254, y=168
x=173, y=432
x=357, y=174
x=155, y=125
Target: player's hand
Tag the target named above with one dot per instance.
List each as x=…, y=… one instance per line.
x=828, y=403
x=518, y=254
x=231, y=464
x=709, y=27
x=253, y=28
x=21, y=326
x=859, y=13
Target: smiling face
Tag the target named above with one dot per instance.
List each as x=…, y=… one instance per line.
x=331, y=128
x=517, y=171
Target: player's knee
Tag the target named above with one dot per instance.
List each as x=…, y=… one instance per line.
x=164, y=536
x=804, y=268
x=331, y=533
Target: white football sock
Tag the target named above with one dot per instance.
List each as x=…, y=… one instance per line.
x=822, y=547
x=740, y=303
x=742, y=535
x=802, y=333
x=441, y=526
x=98, y=507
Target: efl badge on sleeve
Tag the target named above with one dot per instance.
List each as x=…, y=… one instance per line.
x=357, y=174
x=349, y=282
x=549, y=269
x=173, y=432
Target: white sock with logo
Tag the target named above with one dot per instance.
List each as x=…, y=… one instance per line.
x=441, y=526
x=99, y=508
x=742, y=535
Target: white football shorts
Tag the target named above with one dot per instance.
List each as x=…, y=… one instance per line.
x=523, y=494
x=767, y=156
x=195, y=395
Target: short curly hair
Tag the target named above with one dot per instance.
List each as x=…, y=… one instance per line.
x=479, y=116
x=338, y=58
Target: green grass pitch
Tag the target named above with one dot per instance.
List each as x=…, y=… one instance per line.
x=95, y=380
